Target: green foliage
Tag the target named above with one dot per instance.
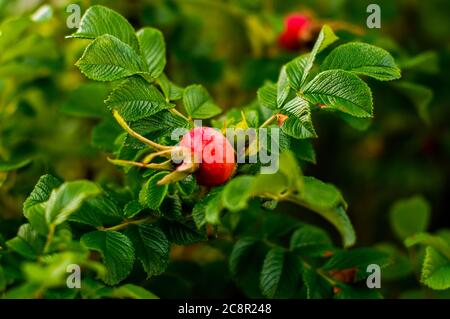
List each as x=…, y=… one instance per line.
x=125, y=228
x=116, y=250
x=367, y=60
x=198, y=103
x=410, y=216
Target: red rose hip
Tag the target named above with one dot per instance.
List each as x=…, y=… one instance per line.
x=213, y=153
x=295, y=26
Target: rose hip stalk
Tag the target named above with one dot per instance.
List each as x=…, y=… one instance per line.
x=203, y=151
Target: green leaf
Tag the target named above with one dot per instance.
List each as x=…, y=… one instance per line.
x=283, y=87
x=280, y=274
x=358, y=258
x=28, y=243
x=13, y=165
x=133, y=292
x=171, y=91
x=198, y=102
x=183, y=233
x=152, y=195
x=295, y=70
x=310, y=241
x=326, y=200
x=237, y=192
x=67, y=199
x=34, y=205
x=132, y=208
x=97, y=212
x=267, y=96
x=435, y=270
x=410, y=216
x=245, y=264
x=316, y=286
x=420, y=95
x=213, y=206
x=326, y=37
x=151, y=247
x=299, y=124
x=87, y=100
x=117, y=252
x=42, y=190
x=159, y=125
x=340, y=90
x=99, y=20
x=109, y=59
x=135, y=99
x=426, y=239
x=153, y=49
x=363, y=59
x=303, y=150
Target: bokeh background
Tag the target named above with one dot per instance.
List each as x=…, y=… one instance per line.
x=231, y=48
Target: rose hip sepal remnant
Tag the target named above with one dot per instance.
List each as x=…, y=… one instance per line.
x=296, y=26
x=213, y=153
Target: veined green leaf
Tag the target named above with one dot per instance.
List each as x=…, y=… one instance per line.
x=136, y=99
x=97, y=212
x=153, y=49
x=299, y=124
x=66, y=199
x=283, y=87
x=99, y=20
x=152, y=195
x=341, y=90
x=28, y=243
x=267, y=96
x=280, y=274
x=151, y=247
x=198, y=102
x=117, y=252
x=295, y=70
x=109, y=59
x=363, y=59
x=34, y=205
x=435, y=270
x=171, y=91
x=310, y=241
x=326, y=37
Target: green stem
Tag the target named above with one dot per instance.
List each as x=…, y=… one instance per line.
x=126, y=223
x=51, y=233
x=269, y=121
x=138, y=136
x=178, y=113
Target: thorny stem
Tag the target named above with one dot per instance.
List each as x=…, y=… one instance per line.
x=127, y=223
x=136, y=135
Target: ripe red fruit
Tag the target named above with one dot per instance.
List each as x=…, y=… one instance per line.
x=296, y=25
x=214, y=154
